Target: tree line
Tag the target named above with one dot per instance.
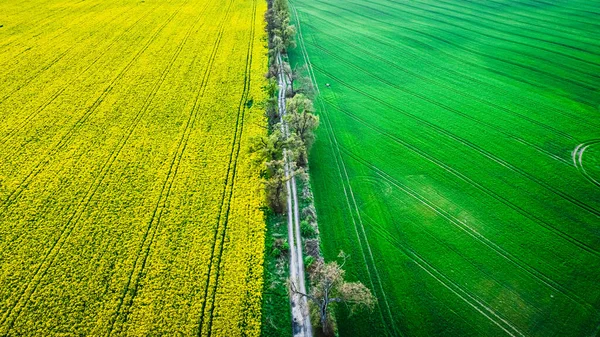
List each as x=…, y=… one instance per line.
x=300, y=118
x=328, y=286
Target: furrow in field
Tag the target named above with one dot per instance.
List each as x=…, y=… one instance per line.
x=349, y=194
x=518, y=262
x=41, y=26
x=36, y=6
x=82, y=120
x=29, y=117
x=93, y=188
x=541, y=150
x=455, y=74
x=480, y=22
x=466, y=296
x=231, y=167
x=446, y=106
x=547, y=5
x=577, y=156
x=472, y=50
x=130, y=291
x=511, y=258
x=542, y=18
x=450, y=28
x=425, y=98
x=189, y=125
x=448, y=87
x=23, y=8
x=442, y=243
x=502, y=199
x=17, y=237
x=582, y=6
x=542, y=85
x=345, y=184
x=339, y=164
x=51, y=34
x=36, y=73
x=497, y=17
x=475, y=147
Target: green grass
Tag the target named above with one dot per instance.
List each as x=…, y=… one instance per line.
x=444, y=164
x=276, y=312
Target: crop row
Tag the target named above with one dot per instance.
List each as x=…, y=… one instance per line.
x=114, y=162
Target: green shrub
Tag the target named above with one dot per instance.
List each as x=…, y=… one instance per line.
x=307, y=230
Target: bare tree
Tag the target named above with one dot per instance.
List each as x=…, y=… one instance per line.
x=328, y=288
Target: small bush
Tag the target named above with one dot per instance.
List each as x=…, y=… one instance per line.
x=280, y=247
x=285, y=247
x=276, y=252
x=308, y=262
x=307, y=230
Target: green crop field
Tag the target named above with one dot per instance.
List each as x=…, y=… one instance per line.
x=458, y=161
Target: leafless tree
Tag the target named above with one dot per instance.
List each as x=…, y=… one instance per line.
x=328, y=287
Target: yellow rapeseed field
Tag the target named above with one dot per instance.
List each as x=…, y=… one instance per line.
x=128, y=201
